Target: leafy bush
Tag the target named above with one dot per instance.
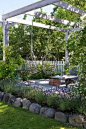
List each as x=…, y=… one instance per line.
x=25, y=91
x=69, y=104
x=82, y=107
x=24, y=75
x=9, y=86
x=30, y=94
x=17, y=91
x=6, y=85
x=7, y=67
x=48, y=68
x=78, y=57
x=40, y=74
x=7, y=70
x=65, y=104
x=53, y=100
x=40, y=97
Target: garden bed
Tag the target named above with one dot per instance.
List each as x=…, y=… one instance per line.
x=67, y=107
x=73, y=119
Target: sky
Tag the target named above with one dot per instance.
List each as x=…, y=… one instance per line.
x=7, y=6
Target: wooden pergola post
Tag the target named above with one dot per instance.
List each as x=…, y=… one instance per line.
x=66, y=50
x=5, y=36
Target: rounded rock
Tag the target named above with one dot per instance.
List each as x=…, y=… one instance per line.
x=47, y=112
x=1, y=96
x=60, y=116
x=18, y=102
x=34, y=107
x=12, y=99
x=6, y=97
x=26, y=103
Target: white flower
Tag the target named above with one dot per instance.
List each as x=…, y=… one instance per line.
x=83, y=18
x=16, y=25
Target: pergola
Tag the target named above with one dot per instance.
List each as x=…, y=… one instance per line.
x=9, y=17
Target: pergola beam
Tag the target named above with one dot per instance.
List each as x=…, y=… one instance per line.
x=11, y=24
x=29, y=8
x=74, y=29
x=70, y=7
x=26, y=22
x=51, y=18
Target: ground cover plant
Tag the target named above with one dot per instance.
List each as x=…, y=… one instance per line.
x=18, y=118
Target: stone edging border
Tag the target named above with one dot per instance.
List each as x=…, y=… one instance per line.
x=77, y=120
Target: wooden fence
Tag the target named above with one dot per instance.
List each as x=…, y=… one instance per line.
x=59, y=64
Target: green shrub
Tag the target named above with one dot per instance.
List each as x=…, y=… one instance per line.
x=53, y=101
x=11, y=88
x=40, y=97
x=69, y=104
x=7, y=89
x=6, y=85
x=7, y=70
x=40, y=74
x=65, y=104
x=82, y=107
x=37, y=75
x=75, y=103
x=17, y=91
x=2, y=85
x=48, y=68
x=7, y=67
x=25, y=91
x=24, y=75
x=31, y=94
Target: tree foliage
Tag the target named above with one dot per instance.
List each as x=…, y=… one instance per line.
x=44, y=40
x=77, y=48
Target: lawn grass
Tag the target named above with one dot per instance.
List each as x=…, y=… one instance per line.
x=18, y=118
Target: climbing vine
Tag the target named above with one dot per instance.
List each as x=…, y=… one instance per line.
x=77, y=48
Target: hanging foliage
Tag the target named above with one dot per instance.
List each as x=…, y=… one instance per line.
x=77, y=48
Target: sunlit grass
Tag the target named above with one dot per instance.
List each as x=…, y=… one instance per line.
x=18, y=118
x=3, y=107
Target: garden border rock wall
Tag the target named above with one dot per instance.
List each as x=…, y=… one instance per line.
x=77, y=120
